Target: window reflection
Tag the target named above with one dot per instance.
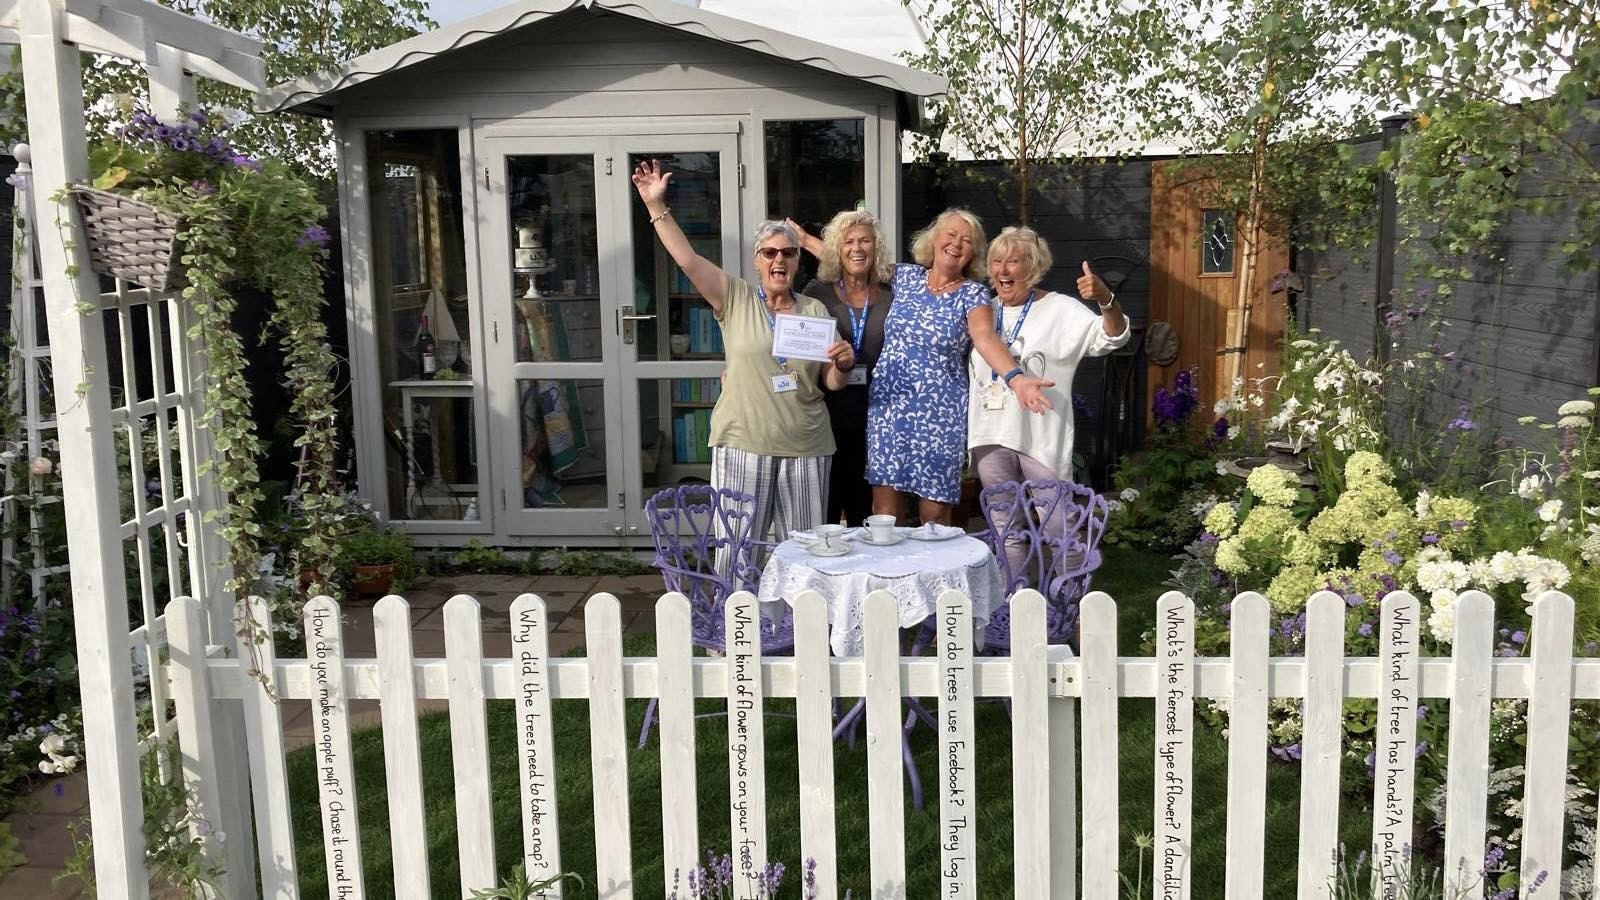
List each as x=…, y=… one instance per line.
x=815, y=168
x=419, y=276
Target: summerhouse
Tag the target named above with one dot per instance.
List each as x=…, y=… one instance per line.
x=567, y=370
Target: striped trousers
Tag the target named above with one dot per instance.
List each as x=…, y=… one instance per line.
x=789, y=491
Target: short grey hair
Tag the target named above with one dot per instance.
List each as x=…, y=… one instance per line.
x=1031, y=251
x=771, y=227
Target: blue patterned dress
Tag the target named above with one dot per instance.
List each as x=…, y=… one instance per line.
x=917, y=401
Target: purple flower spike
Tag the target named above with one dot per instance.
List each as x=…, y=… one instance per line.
x=314, y=236
x=1392, y=558
x=1430, y=538
x=1422, y=711
x=1365, y=629
x=1519, y=637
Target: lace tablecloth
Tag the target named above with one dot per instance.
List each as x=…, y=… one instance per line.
x=915, y=572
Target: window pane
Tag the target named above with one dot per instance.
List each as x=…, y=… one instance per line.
x=563, y=443
x=683, y=327
x=815, y=168
x=1216, y=247
x=554, y=264
x=432, y=452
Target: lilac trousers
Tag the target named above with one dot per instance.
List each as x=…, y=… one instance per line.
x=997, y=465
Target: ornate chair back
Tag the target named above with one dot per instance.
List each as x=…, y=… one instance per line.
x=1045, y=535
x=706, y=551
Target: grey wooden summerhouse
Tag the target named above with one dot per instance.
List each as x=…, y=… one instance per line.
x=484, y=186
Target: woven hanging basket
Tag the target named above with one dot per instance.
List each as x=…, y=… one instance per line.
x=131, y=240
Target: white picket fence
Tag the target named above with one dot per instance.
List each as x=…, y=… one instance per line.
x=1048, y=689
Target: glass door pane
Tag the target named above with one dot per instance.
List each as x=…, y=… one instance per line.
x=677, y=357
x=555, y=401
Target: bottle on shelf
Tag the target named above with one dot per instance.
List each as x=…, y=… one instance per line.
x=426, y=346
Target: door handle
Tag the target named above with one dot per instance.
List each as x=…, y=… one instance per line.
x=625, y=319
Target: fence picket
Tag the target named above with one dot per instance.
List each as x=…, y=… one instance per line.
x=197, y=738
x=402, y=756
x=469, y=744
x=1321, y=737
x=1174, y=746
x=886, y=812
x=1394, y=756
x=1544, y=797
x=813, y=709
x=1063, y=785
x=1030, y=726
x=336, y=784
x=957, y=789
x=1247, y=749
x=680, y=808
x=747, y=770
x=1044, y=684
x=536, y=742
x=602, y=626
x=1101, y=813
x=269, y=774
x=1467, y=774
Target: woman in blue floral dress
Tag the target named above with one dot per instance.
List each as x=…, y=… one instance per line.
x=917, y=406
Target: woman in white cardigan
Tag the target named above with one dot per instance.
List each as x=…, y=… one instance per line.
x=1048, y=333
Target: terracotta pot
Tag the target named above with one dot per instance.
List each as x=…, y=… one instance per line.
x=373, y=579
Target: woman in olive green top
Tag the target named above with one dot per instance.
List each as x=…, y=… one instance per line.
x=769, y=431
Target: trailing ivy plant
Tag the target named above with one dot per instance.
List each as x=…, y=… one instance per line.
x=243, y=221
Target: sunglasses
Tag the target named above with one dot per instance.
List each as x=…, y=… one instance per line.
x=771, y=253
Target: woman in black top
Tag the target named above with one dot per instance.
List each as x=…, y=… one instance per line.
x=852, y=281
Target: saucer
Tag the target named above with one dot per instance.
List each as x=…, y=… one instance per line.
x=865, y=537
x=923, y=533
x=818, y=550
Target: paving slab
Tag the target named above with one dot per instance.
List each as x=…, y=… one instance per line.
x=44, y=838
x=38, y=883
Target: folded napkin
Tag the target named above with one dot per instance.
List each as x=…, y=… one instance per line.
x=807, y=538
x=936, y=530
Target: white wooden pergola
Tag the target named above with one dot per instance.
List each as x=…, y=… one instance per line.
x=165, y=544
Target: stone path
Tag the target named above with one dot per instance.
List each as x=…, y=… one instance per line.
x=42, y=830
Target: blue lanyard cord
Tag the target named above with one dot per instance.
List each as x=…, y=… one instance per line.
x=772, y=323
x=999, y=327
x=858, y=325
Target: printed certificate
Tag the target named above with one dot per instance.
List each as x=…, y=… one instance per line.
x=803, y=337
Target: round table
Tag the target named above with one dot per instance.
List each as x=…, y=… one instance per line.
x=915, y=572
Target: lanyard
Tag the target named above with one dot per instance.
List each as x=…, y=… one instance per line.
x=858, y=326
x=999, y=327
x=772, y=323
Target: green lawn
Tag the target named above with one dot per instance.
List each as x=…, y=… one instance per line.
x=1131, y=577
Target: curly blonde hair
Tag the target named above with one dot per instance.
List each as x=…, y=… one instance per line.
x=922, y=242
x=833, y=235
x=1030, y=249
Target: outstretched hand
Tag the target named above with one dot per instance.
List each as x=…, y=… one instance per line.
x=1030, y=393
x=651, y=182
x=1092, y=287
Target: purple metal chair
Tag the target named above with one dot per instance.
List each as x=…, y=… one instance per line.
x=705, y=551
x=1045, y=535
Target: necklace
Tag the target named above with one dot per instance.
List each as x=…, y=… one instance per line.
x=944, y=287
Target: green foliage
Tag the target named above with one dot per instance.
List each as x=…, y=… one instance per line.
x=475, y=557
x=1021, y=73
x=181, y=846
x=298, y=37
x=1258, y=95
x=10, y=850
x=380, y=546
x=517, y=885
x=588, y=562
x=1468, y=69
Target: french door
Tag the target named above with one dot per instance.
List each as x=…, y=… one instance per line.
x=604, y=361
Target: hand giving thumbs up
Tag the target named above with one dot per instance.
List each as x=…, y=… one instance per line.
x=1091, y=287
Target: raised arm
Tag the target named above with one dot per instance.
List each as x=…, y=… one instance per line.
x=702, y=273
x=808, y=242
x=1028, y=388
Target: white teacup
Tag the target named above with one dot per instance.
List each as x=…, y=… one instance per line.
x=881, y=528
x=830, y=537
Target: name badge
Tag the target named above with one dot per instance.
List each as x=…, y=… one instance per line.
x=783, y=384
x=858, y=375
x=994, y=396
